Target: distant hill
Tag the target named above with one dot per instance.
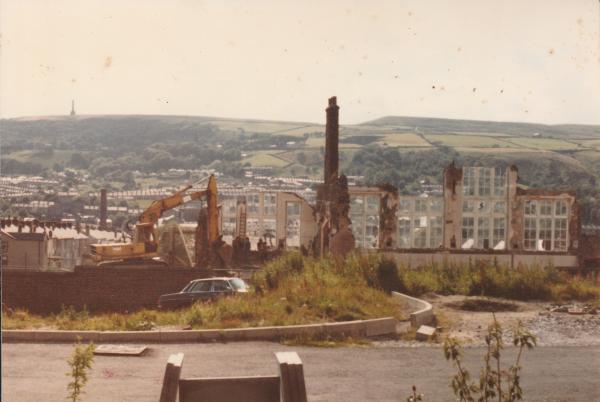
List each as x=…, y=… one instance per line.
x=395, y=149
x=437, y=125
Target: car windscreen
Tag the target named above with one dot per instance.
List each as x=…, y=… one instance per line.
x=238, y=283
x=188, y=287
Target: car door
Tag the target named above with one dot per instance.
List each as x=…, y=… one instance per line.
x=201, y=291
x=221, y=287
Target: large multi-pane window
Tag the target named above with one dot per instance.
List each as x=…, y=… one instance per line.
x=500, y=182
x=292, y=224
x=420, y=222
x=253, y=228
x=364, y=213
x=228, y=216
x=484, y=208
x=270, y=203
x=253, y=204
x=545, y=225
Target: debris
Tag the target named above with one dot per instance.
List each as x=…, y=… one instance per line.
x=573, y=308
x=120, y=350
x=576, y=311
x=425, y=333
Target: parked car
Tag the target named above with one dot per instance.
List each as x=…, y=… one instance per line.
x=202, y=289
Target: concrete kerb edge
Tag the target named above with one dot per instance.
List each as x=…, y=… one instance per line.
x=423, y=314
x=373, y=327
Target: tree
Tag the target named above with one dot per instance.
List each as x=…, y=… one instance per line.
x=301, y=158
x=78, y=161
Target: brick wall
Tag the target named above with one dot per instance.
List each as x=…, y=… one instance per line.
x=98, y=288
x=590, y=247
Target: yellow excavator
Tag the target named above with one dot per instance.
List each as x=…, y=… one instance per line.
x=144, y=247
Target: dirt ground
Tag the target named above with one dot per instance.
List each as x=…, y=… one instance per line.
x=551, y=328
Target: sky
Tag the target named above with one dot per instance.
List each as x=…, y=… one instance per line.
x=511, y=60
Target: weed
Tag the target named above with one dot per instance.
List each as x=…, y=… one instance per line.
x=325, y=341
x=80, y=362
x=493, y=381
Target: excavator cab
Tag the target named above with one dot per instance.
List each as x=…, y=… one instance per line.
x=145, y=233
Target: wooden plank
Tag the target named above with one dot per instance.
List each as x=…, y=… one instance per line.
x=171, y=379
x=120, y=350
x=232, y=389
x=293, y=387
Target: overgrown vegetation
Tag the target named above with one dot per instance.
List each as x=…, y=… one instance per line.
x=80, y=362
x=299, y=290
x=483, y=278
x=288, y=291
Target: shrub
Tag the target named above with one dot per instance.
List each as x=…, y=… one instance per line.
x=69, y=318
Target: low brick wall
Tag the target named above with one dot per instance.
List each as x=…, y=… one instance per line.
x=97, y=288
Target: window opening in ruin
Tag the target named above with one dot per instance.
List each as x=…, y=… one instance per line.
x=270, y=204
x=484, y=208
x=421, y=227
x=364, y=213
x=253, y=204
x=292, y=224
x=545, y=225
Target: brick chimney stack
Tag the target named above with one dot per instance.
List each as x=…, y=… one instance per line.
x=332, y=133
x=103, y=209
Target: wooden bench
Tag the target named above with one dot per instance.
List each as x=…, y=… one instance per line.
x=287, y=386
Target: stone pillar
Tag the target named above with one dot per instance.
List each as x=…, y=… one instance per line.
x=332, y=135
x=515, y=211
x=452, y=206
x=103, y=209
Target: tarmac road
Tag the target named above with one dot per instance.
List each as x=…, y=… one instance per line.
x=36, y=372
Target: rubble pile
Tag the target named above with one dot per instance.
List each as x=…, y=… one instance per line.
x=573, y=308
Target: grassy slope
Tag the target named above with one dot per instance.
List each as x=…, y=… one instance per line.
x=290, y=290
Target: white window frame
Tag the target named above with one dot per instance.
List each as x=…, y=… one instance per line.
x=536, y=211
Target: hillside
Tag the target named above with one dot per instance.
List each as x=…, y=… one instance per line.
x=387, y=149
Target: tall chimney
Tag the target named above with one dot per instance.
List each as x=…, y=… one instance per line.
x=103, y=209
x=331, y=141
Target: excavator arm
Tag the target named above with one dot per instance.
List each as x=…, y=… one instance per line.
x=145, y=228
x=158, y=207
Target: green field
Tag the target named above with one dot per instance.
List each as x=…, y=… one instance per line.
x=499, y=150
x=47, y=160
x=589, y=143
x=300, y=131
x=257, y=127
x=265, y=158
x=473, y=141
x=483, y=134
x=403, y=140
x=315, y=142
x=549, y=144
